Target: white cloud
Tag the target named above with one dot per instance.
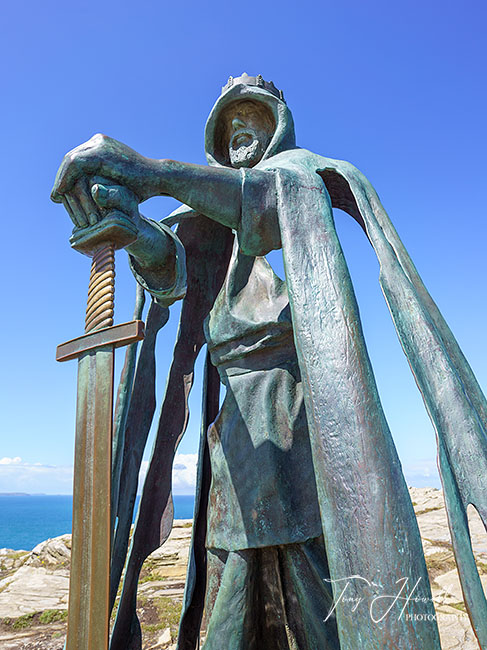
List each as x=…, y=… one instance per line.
x=18, y=476
x=183, y=474
x=34, y=478
x=422, y=473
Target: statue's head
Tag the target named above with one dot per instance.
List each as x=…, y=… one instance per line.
x=248, y=127
x=249, y=122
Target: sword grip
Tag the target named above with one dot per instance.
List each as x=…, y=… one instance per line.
x=101, y=290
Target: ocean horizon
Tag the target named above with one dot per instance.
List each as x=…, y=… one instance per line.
x=28, y=519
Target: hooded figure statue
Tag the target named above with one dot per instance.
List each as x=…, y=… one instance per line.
x=304, y=534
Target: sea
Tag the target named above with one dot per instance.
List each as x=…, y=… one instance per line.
x=26, y=520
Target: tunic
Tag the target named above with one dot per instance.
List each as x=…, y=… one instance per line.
x=263, y=490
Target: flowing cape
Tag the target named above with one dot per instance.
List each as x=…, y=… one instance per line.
x=362, y=499
x=451, y=393
x=370, y=530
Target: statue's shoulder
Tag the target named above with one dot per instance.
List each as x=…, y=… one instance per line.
x=296, y=157
x=304, y=159
x=343, y=181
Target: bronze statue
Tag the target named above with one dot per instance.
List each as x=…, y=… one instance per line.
x=301, y=506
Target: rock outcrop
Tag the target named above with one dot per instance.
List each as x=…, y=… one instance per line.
x=453, y=622
x=34, y=586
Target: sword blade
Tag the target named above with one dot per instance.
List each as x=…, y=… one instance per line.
x=88, y=616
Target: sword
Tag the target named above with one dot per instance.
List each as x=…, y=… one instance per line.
x=89, y=586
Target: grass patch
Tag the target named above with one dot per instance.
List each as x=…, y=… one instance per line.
x=150, y=576
x=426, y=510
x=53, y=616
x=154, y=627
x=438, y=563
x=460, y=606
x=161, y=613
x=29, y=620
x=170, y=612
x=18, y=554
x=7, y=564
x=151, y=571
x=440, y=543
x=113, y=614
x=481, y=566
x=22, y=622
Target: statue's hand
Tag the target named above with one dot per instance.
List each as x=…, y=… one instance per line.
x=116, y=197
x=99, y=156
x=152, y=248
x=90, y=200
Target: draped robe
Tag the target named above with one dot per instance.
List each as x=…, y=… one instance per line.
x=367, y=518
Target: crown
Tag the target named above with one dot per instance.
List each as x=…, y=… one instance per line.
x=253, y=81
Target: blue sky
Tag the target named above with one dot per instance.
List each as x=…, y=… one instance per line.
x=396, y=88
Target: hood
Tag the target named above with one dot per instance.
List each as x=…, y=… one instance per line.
x=282, y=140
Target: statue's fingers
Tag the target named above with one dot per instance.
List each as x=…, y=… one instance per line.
x=115, y=197
x=76, y=210
x=100, y=194
x=88, y=205
x=67, y=174
x=70, y=212
x=56, y=197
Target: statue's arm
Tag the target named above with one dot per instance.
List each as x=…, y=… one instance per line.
x=215, y=192
x=166, y=279
x=157, y=257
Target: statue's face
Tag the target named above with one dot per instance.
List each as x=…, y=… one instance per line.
x=249, y=130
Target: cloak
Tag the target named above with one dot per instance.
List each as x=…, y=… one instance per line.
x=369, y=527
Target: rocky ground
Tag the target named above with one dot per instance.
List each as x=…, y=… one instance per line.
x=34, y=586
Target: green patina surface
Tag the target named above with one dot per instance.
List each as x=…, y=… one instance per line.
x=300, y=450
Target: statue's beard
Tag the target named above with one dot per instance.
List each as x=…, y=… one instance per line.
x=246, y=155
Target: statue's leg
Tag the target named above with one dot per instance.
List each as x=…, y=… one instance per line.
x=273, y=598
x=216, y=559
x=230, y=600
x=275, y=632
x=307, y=595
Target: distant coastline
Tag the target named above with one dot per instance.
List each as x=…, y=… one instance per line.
x=33, y=494
x=59, y=494
x=28, y=519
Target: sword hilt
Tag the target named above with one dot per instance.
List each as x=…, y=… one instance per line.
x=100, y=241
x=101, y=290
